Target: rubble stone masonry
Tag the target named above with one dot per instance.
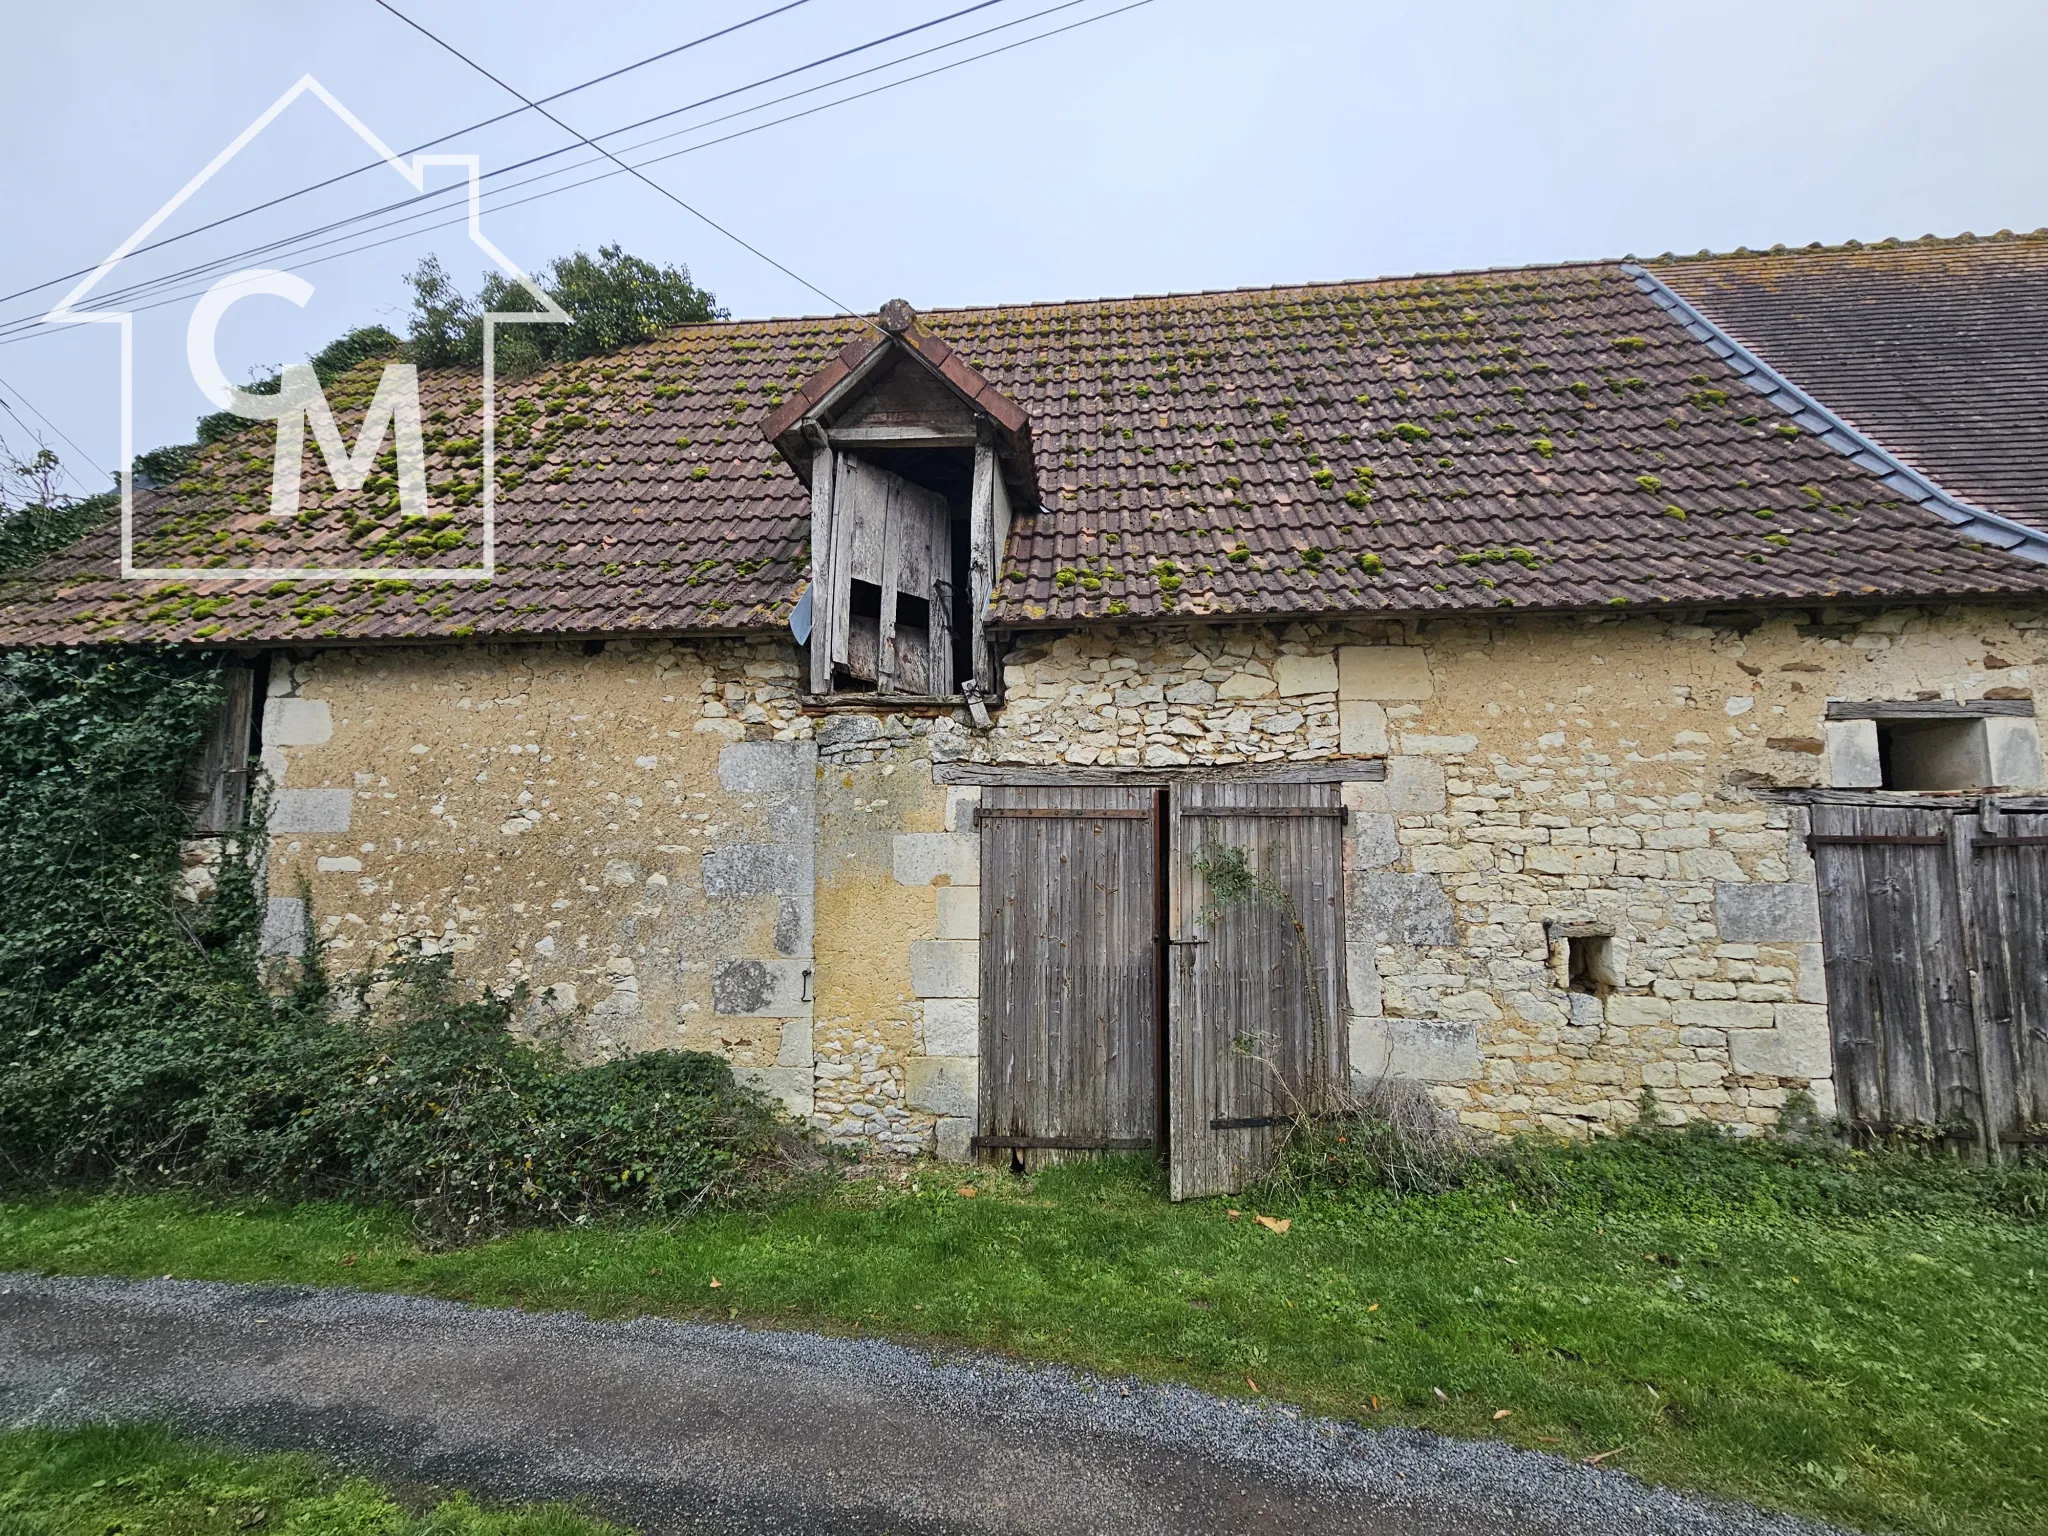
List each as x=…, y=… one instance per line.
x=668, y=850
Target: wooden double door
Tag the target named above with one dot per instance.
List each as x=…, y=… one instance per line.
x=1934, y=930
x=1160, y=969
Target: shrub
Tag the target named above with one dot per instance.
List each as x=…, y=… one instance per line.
x=432, y=1103
x=140, y=1044
x=1390, y=1139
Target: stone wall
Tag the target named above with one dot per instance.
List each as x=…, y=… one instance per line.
x=1592, y=777
x=667, y=850
x=629, y=832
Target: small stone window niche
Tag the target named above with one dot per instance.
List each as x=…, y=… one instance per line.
x=916, y=465
x=1586, y=958
x=1933, y=745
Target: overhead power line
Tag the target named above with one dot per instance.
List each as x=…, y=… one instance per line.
x=66, y=436
x=633, y=171
x=26, y=327
x=488, y=122
x=450, y=195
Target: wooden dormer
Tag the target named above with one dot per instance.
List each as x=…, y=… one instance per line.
x=915, y=463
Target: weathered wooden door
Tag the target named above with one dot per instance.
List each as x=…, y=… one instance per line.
x=1898, y=982
x=1069, y=972
x=1932, y=928
x=1255, y=1002
x=2007, y=861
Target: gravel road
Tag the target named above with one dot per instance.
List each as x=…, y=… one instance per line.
x=683, y=1427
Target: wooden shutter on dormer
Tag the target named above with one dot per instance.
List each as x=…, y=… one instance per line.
x=888, y=540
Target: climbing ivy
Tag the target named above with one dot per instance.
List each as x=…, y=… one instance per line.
x=144, y=1039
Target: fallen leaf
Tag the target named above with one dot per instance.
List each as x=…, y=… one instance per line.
x=714, y=1282
x=1374, y=1307
x=1501, y=1413
x=1594, y=1461
x=1375, y=1405
x=1441, y=1395
x=348, y=1260
x=1274, y=1223
x=1252, y=1384
x=1550, y=1439
x=1233, y=1215
x=967, y=1191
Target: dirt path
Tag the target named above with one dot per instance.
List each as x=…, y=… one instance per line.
x=680, y=1427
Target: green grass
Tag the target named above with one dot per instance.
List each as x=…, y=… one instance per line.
x=138, y=1480
x=1889, y=1371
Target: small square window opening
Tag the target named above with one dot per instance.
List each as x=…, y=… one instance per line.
x=1588, y=961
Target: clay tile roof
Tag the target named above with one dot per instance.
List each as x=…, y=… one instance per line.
x=1938, y=349
x=1542, y=438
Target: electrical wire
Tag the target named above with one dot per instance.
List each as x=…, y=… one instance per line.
x=633, y=171
x=31, y=326
x=446, y=196
x=24, y=399
x=655, y=58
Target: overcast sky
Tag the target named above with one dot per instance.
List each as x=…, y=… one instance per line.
x=1183, y=144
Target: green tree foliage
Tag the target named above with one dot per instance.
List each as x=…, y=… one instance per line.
x=613, y=300
x=139, y=1042
x=37, y=516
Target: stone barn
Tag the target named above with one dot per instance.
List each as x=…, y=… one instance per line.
x=1022, y=731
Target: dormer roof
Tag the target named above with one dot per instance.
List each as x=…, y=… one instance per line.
x=941, y=388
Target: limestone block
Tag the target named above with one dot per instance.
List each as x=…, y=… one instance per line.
x=1383, y=672
x=2015, y=751
x=959, y=912
x=1813, y=975
x=758, y=869
x=1474, y=1005
x=1298, y=675
x=961, y=801
x=1852, y=754
x=1427, y=1050
x=940, y=1085
x=1196, y=693
x=951, y=1135
x=1803, y=1019
x=1362, y=728
x=1451, y=859
x=284, y=926
x=1362, y=984
x=952, y=1027
x=936, y=858
x=788, y=1086
x=1766, y=914
x=312, y=810
x=796, y=1049
x=1796, y=1048
x=767, y=767
x=298, y=723
x=1823, y=1091
x=1245, y=685
x=1439, y=746
x=1391, y=908
x=770, y=989
x=1587, y=1011
x=347, y=864
x=1691, y=1013
x=945, y=968
x=1377, y=839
